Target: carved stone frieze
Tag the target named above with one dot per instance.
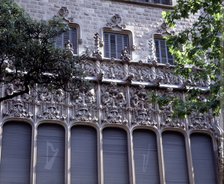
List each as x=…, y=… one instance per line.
x=114, y=105
x=142, y=110
x=200, y=121
x=18, y=108
x=84, y=107
x=52, y=112
x=89, y=68
x=112, y=70
x=166, y=111
x=44, y=95
x=143, y=73
x=167, y=76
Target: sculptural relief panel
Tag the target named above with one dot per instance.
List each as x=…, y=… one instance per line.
x=112, y=70
x=51, y=105
x=84, y=107
x=143, y=111
x=114, y=104
x=166, y=110
x=143, y=73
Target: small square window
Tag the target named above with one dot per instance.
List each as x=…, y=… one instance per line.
x=70, y=35
x=114, y=43
x=162, y=52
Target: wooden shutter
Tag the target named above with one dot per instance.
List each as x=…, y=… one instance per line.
x=63, y=38
x=106, y=45
x=16, y=153
x=84, y=155
x=145, y=157
x=114, y=43
x=203, y=159
x=175, y=158
x=50, y=154
x=115, y=156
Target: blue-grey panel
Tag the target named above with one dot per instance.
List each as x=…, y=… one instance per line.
x=175, y=158
x=84, y=155
x=16, y=153
x=50, y=154
x=145, y=157
x=115, y=156
x=203, y=159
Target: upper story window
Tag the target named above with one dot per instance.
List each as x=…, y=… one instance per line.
x=162, y=52
x=114, y=43
x=163, y=2
x=166, y=2
x=64, y=38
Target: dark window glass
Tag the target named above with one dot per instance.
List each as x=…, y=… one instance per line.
x=162, y=52
x=114, y=44
x=70, y=35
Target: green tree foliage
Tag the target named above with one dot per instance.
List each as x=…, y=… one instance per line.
x=198, y=52
x=28, y=56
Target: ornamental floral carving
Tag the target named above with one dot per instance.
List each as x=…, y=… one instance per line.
x=112, y=70
x=52, y=111
x=143, y=112
x=143, y=73
x=114, y=105
x=84, y=107
x=200, y=121
x=17, y=108
x=89, y=68
x=167, y=76
x=166, y=111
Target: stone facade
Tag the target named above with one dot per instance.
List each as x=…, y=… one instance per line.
x=120, y=87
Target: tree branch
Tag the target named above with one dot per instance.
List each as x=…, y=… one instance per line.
x=14, y=94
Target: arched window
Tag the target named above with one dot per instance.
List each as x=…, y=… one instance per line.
x=203, y=159
x=84, y=155
x=50, y=154
x=145, y=157
x=174, y=153
x=115, y=156
x=16, y=153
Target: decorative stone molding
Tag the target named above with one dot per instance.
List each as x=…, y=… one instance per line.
x=17, y=108
x=63, y=12
x=114, y=105
x=52, y=112
x=140, y=73
x=152, y=51
x=113, y=70
x=115, y=22
x=143, y=112
x=125, y=56
x=84, y=107
x=98, y=43
x=200, y=121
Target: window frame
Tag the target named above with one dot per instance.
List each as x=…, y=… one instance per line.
x=115, y=32
x=158, y=5
x=73, y=26
x=160, y=59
